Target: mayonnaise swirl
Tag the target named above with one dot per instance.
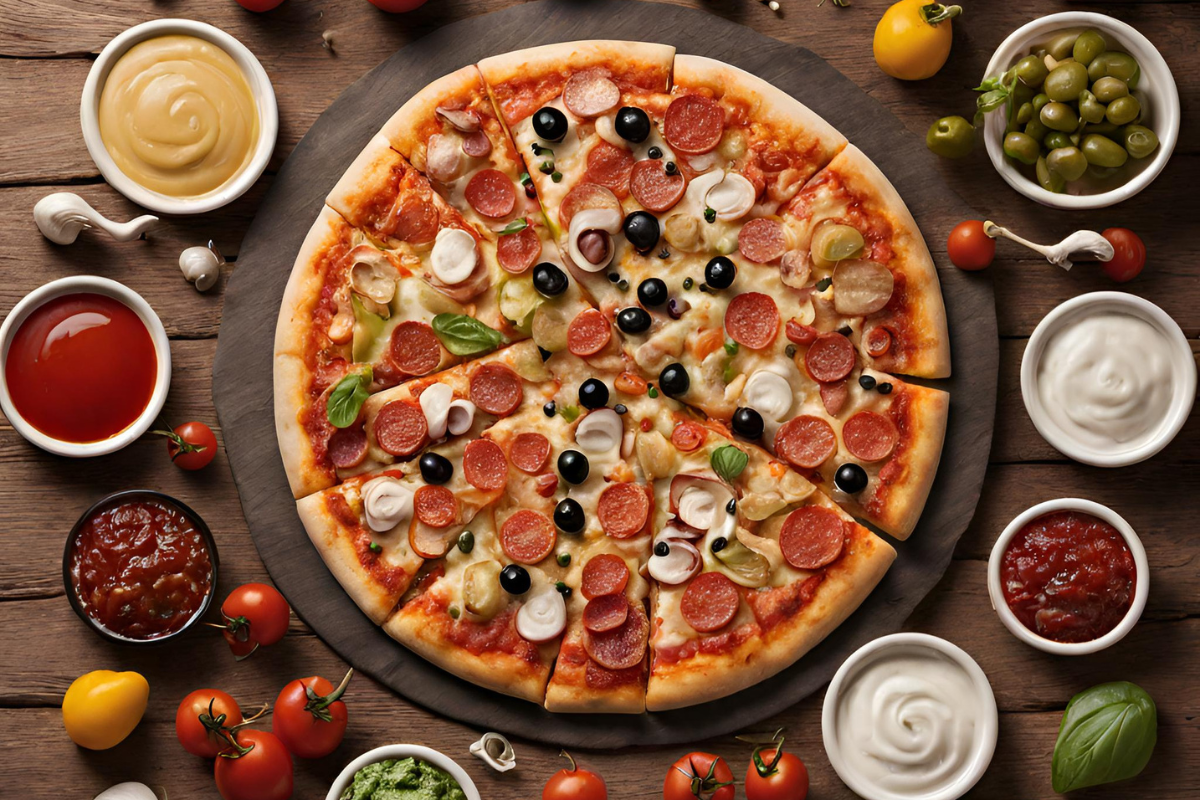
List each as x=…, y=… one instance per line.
x=177, y=116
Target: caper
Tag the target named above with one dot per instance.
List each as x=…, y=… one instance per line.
x=1066, y=81
x=1109, y=88
x=1021, y=147
x=1061, y=45
x=834, y=243
x=1069, y=162
x=1115, y=65
x=1089, y=45
x=1055, y=140
x=1036, y=129
x=1059, y=117
x=1032, y=71
x=1139, y=140
x=1103, y=152
x=1024, y=113
x=1090, y=109
x=1040, y=99
x=1049, y=181
x=1123, y=110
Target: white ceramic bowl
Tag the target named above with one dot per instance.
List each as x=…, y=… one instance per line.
x=443, y=762
x=162, y=347
x=260, y=86
x=1140, y=593
x=1156, y=89
x=985, y=746
x=1183, y=373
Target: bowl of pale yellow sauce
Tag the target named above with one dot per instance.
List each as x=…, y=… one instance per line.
x=179, y=116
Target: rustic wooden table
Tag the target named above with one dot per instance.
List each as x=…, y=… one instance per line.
x=46, y=47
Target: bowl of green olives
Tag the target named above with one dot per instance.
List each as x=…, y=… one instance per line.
x=1090, y=113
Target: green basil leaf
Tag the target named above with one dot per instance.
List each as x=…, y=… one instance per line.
x=728, y=461
x=1107, y=734
x=465, y=336
x=347, y=398
x=516, y=226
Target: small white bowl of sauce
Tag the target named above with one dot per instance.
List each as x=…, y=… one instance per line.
x=1108, y=379
x=910, y=717
x=179, y=116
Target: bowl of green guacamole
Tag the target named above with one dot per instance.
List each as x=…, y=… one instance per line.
x=403, y=772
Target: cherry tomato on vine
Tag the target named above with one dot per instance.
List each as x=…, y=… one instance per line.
x=699, y=775
x=969, y=247
x=255, y=614
x=1129, y=256
x=573, y=783
x=259, y=769
x=191, y=446
x=776, y=775
x=310, y=717
x=200, y=719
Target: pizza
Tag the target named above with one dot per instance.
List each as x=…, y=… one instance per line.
x=593, y=377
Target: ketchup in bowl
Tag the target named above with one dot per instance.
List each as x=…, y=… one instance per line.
x=1068, y=576
x=81, y=368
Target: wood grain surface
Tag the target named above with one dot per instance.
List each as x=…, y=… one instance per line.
x=45, y=51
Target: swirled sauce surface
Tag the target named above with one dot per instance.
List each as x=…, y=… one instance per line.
x=177, y=116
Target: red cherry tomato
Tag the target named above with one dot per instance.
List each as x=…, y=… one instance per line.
x=397, y=6
x=255, y=614
x=191, y=446
x=969, y=247
x=699, y=775
x=260, y=770
x=1129, y=256
x=200, y=719
x=258, y=6
x=771, y=778
x=572, y=783
x=310, y=717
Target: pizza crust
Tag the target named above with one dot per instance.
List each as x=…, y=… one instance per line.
x=410, y=127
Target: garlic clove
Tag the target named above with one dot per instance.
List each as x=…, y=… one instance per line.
x=201, y=265
x=62, y=215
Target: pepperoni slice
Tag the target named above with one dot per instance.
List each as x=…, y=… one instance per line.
x=415, y=348
x=605, y=613
x=415, y=221
x=812, y=537
x=527, y=536
x=879, y=342
x=348, y=447
x=484, y=465
x=622, y=647
x=590, y=94
x=752, y=320
x=830, y=358
x=693, y=124
x=710, y=602
x=687, y=436
x=604, y=574
x=585, y=196
x=870, y=436
x=610, y=166
x=546, y=484
x=496, y=389
x=436, y=506
x=806, y=442
x=518, y=251
x=588, y=333
x=799, y=333
x=834, y=396
x=651, y=186
x=400, y=428
x=491, y=193
x=477, y=144
x=762, y=241
x=623, y=509
x=529, y=452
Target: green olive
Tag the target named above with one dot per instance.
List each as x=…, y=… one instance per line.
x=1056, y=139
x=1123, y=110
x=1032, y=70
x=1059, y=117
x=1069, y=162
x=1036, y=129
x=1109, y=88
x=1115, y=65
x=1040, y=99
x=1050, y=181
x=1105, y=128
x=1066, y=81
x=1139, y=140
x=950, y=137
x=1103, y=152
x=1090, y=109
x=1062, y=45
x=1022, y=94
x=1021, y=147
x=1024, y=113
x=1089, y=45
x=833, y=243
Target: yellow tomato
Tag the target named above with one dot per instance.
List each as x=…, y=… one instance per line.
x=912, y=41
x=101, y=708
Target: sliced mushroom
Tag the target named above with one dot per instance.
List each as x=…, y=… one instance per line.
x=681, y=563
x=589, y=241
x=454, y=256
x=465, y=121
x=481, y=590
x=795, y=268
x=372, y=275
x=701, y=502
x=601, y=431
x=769, y=394
x=732, y=197
x=861, y=287
x=430, y=542
x=443, y=157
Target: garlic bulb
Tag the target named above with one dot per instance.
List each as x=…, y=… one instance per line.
x=130, y=790
x=495, y=751
x=62, y=215
x=201, y=265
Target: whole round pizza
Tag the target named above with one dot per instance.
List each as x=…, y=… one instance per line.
x=586, y=371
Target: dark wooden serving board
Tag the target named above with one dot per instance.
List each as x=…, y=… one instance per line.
x=242, y=372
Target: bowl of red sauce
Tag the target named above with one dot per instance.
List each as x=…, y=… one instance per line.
x=140, y=567
x=1069, y=577
x=85, y=366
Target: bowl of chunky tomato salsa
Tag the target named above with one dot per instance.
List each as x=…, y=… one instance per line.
x=1069, y=577
x=140, y=567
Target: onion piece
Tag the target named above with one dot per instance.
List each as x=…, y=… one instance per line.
x=732, y=198
x=435, y=403
x=130, y=790
x=861, y=287
x=460, y=416
x=600, y=431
